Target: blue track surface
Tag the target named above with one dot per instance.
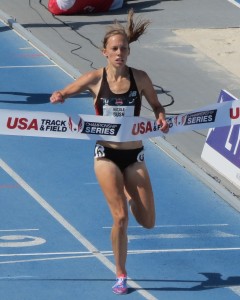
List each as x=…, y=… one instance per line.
x=55, y=224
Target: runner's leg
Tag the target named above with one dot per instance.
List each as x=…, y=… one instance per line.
x=111, y=181
x=138, y=190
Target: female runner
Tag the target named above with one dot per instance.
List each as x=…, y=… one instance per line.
x=119, y=166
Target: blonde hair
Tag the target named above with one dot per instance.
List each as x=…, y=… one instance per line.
x=132, y=31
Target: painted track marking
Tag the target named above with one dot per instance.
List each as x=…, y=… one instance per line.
x=37, y=66
x=59, y=218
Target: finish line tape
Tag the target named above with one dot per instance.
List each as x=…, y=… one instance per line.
x=116, y=129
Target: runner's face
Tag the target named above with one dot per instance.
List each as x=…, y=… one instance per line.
x=117, y=50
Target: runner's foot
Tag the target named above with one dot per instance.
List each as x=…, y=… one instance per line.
x=120, y=287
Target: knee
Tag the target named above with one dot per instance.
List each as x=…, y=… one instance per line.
x=145, y=217
x=149, y=225
x=121, y=220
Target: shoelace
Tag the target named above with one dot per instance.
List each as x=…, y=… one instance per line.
x=121, y=281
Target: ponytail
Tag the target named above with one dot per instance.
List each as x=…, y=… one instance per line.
x=132, y=31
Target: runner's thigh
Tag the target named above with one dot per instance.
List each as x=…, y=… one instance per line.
x=111, y=181
x=138, y=185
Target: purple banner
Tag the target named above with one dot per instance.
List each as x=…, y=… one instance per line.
x=226, y=140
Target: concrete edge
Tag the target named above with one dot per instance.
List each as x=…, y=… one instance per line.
x=160, y=142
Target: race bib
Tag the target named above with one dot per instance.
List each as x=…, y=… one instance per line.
x=118, y=111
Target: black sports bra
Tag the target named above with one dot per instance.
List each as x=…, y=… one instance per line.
x=118, y=105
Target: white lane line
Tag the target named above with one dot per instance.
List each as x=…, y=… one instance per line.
x=46, y=259
x=192, y=225
x=177, y=250
x=110, y=253
x=17, y=277
x=235, y=289
x=214, y=234
x=175, y=226
x=37, y=66
x=106, y=262
x=45, y=254
x=88, y=254
x=15, y=230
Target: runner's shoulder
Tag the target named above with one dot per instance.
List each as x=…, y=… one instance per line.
x=92, y=77
x=139, y=74
x=141, y=77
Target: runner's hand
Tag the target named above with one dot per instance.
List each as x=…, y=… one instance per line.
x=164, y=125
x=56, y=97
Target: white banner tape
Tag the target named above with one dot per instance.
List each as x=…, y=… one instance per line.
x=121, y=129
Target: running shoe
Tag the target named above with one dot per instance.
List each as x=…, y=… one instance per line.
x=120, y=287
